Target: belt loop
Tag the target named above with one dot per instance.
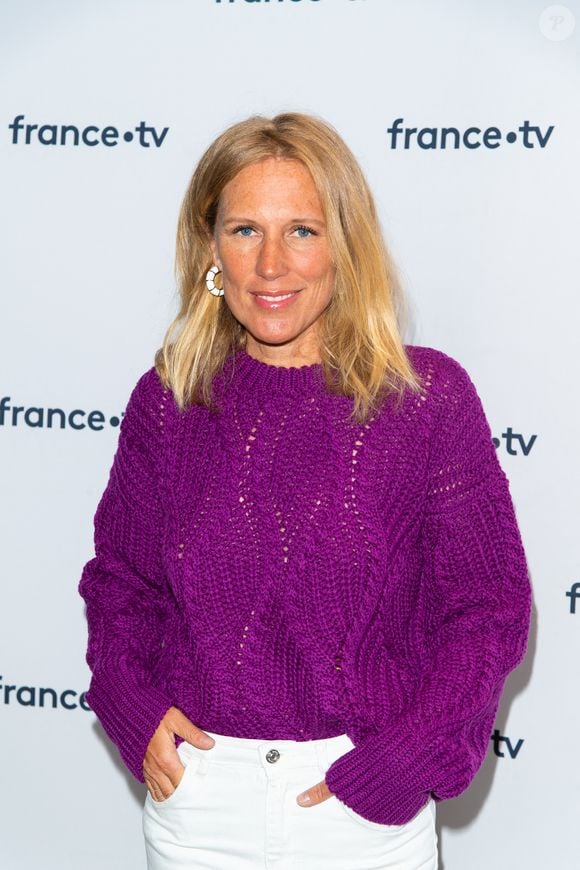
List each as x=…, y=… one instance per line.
x=322, y=753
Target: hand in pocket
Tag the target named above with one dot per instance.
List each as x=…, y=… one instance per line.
x=162, y=767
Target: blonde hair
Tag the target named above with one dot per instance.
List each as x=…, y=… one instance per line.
x=361, y=348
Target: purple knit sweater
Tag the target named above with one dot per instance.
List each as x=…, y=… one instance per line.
x=278, y=571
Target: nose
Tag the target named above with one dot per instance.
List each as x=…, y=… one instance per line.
x=271, y=262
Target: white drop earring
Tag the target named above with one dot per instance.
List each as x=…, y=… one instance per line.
x=210, y=282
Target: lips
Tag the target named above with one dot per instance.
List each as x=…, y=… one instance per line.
x=275, y=300
x=276, y=295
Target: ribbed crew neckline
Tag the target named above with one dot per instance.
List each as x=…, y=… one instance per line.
x=265, y=376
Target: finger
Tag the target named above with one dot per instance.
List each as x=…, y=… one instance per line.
x=186, y=729
x=162, y=784
x=153, y=789
x=314, y=795
x=162, y=766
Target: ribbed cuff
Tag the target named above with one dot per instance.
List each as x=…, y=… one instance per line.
x=129, y=714
x=389, y=778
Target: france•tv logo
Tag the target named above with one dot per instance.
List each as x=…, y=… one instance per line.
x=146, y=135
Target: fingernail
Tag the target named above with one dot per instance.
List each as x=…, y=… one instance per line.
x=206, y=740
x=304, y=798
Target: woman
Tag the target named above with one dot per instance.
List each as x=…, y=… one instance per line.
x=309, y=578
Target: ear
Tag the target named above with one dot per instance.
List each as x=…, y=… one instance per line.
x=214, y=250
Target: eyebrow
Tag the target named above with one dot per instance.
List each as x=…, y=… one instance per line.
x=247, y=220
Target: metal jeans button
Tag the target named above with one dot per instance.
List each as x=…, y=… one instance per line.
x=272, y=755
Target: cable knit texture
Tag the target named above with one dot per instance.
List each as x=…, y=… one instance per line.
x=280, y=571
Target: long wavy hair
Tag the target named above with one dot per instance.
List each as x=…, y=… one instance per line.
x=361, y=348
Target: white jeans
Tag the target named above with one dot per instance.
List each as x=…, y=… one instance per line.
x=235, y=809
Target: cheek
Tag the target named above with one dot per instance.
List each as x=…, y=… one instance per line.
x=320, y=270
x=316, y=264
x=235, y=265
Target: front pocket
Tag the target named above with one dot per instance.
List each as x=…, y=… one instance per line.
x=366, y=823
x=191, y=761
x=417, y=820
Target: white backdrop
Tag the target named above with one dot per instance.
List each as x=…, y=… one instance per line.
x=486, y=241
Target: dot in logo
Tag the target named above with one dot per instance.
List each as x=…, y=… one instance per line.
x=496, y=442
x=557, y=23
x=128, y=136
x=114, y=421
x=511, y=136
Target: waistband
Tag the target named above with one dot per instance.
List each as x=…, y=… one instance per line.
x=271, y=755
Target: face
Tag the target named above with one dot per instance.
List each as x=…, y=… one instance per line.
x=271, y=245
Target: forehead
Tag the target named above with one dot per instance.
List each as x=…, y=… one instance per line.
x=273, y=183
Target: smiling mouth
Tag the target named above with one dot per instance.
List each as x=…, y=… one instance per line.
x=276, y=298
x=275, y=302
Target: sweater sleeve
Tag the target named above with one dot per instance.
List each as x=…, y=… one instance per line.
x=477, y=592
x=124, y=585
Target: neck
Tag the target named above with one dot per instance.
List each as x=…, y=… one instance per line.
x=286, y=356
x=254, y=375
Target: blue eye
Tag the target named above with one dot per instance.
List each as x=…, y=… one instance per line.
x=247, y=231
x=304, y=232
